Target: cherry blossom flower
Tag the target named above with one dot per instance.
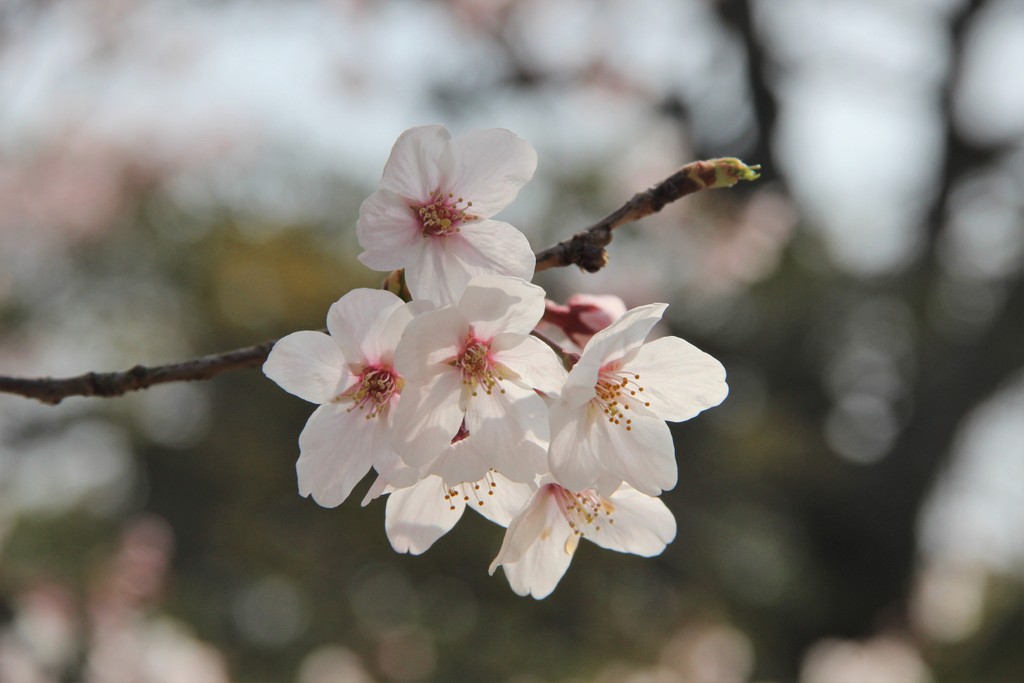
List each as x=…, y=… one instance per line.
x=432, y=213
x=351, y=373
x=608, y=425
x=475, y=367
x=543, y=536
x=416, y=516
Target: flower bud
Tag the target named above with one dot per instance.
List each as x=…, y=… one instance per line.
x=584, y=315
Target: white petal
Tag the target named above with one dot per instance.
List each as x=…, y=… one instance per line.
x=539, y=516
x=429, y=342
x=643, y=456
x=437, y=273
x=460, y=462
x=392, y=469
x=488, y=168
x=389, y=231
x=607, y=483
x=572, y=457
x=378, y=488
x=357, y=321
x=641, y=525
x=505, y=500
x=444, y=264
x=679, y=380
x=543, y=565
x=416, y=517
x=394, y=328
x=510, y=430
x=337, y=449
x=623, y=336
x=537, y=548
x=534, y=363
x=495, y=304
x=309, y=365
x=494, y=248
x=427, y=418
x=412, y=169
x=578, y=388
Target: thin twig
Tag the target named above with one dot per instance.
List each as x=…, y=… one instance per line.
x=568, y=358
x=585, y=249
x=106, y=384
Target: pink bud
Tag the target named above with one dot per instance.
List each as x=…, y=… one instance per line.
x=584, y=315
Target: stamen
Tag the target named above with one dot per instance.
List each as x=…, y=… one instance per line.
x=613, y=393
x=584, y=511
x=477, y=367
x=443, y=214
x=373, y=391
x=469, y=490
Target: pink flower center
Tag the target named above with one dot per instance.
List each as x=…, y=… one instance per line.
x=615, y=392
x=374, y=390
x=477, y=366
x=443, y=214
x=584, y=509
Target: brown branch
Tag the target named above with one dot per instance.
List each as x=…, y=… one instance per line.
x=585, y=249
x=53, y=391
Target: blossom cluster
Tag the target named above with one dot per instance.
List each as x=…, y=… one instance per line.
x=477, y=392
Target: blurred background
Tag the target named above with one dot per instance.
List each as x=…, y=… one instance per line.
x=183, y=177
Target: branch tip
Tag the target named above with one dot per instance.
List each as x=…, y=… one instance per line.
x=719, y=173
